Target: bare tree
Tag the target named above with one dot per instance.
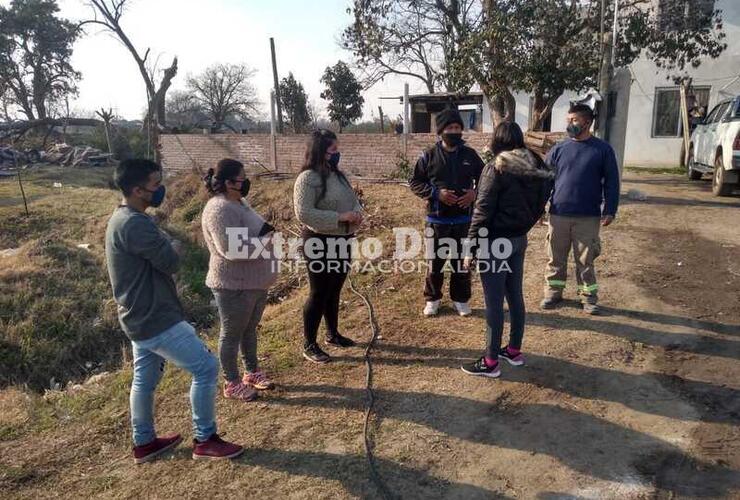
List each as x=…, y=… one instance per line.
x=108, y=13
x=414, y=38
x=107, y=116
x=225, y=91
x=184, y=111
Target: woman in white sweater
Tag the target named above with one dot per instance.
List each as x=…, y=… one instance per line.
x=238, y=279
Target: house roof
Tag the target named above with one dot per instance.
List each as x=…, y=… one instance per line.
x=460, y=98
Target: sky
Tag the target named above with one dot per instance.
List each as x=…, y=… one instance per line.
x=204, y=32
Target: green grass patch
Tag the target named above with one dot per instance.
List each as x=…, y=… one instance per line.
x=664, y=170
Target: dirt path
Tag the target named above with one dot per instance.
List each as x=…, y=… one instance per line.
x=642, y=402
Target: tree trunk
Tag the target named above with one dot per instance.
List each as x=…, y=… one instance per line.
x=509, y=107
x=496, y=108
x=160, y=95
x=538, y=115
x=502, y=107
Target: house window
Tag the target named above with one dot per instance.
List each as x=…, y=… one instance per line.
x=667, y=109
x=680, y=15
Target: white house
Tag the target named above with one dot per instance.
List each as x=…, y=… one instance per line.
x=645, y=129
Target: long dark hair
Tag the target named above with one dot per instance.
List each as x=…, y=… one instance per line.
x=506, y=136
x=315, y=159
x=226, y=170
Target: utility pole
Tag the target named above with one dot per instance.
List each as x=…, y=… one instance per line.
x=406, y=106
x=382, y=124
x=273, y=139
x=608, y=46
x=277, y=86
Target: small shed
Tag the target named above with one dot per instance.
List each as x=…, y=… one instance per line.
x=425, y=107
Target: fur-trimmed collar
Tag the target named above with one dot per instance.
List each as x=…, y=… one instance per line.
x=521, y=162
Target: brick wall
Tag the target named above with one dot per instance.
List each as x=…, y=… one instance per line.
x=368, y=155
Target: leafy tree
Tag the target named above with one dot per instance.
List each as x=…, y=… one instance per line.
x=546, y=47
x=225, y=92
x=35, y=52
x=295, y=104
x=343, y=93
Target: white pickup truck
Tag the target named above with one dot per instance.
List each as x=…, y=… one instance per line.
x=715, y=148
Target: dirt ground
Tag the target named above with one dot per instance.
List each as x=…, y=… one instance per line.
x=642, y=402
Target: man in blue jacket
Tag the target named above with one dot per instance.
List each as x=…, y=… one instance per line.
x=585, y=197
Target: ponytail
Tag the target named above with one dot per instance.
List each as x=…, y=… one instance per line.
x=226, y=170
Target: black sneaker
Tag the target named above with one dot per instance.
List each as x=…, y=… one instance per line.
x=313, y=353
x=480, y=368
x=338, y=340
x=513, y=359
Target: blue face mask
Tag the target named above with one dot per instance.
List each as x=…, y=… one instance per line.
x=574, y=130
x=334, y=159
x=157, y=196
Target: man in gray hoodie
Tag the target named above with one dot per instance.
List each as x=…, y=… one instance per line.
x=141, y=260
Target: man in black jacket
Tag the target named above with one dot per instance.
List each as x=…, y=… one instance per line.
x=446, y=176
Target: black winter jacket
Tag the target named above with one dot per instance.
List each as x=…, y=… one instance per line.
x=433, y=172
x=513, y=191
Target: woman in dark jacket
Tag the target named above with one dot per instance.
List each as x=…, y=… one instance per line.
x=512, y=194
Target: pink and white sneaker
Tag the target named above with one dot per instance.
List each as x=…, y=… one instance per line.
x=513, y=356
x=259, y=380
x=238, y=390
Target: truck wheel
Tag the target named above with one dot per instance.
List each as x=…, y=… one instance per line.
x=719, y=186
x=692, y=174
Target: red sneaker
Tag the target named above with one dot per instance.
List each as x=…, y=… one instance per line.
x=259, y=380
x=215, y=448
x=150, y=451
x=238, y=390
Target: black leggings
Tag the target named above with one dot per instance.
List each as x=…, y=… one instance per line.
x=326, y=276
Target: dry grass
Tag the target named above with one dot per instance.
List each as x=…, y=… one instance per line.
x=438, y=433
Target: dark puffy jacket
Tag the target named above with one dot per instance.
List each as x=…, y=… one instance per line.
x=512, y=194
x=433, y=172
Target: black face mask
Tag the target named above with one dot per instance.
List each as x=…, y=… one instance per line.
x=452, y=139
x=334, y=160
x=244, y=190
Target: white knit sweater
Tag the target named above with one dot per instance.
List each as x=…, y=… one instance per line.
x=225, y=270
x=322, y=215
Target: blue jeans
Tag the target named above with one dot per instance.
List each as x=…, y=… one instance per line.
x=501, y=283
x=180, y=345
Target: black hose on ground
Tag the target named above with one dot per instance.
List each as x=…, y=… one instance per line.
x=370, y=399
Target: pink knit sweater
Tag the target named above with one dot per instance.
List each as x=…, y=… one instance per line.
x=228, y=268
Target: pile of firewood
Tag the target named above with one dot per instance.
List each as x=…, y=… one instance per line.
x=541, y=142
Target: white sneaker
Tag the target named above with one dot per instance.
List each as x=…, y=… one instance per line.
x=463, y=308
x=432, y=308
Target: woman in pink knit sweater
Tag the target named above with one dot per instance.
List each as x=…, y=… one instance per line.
x=238, y=276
